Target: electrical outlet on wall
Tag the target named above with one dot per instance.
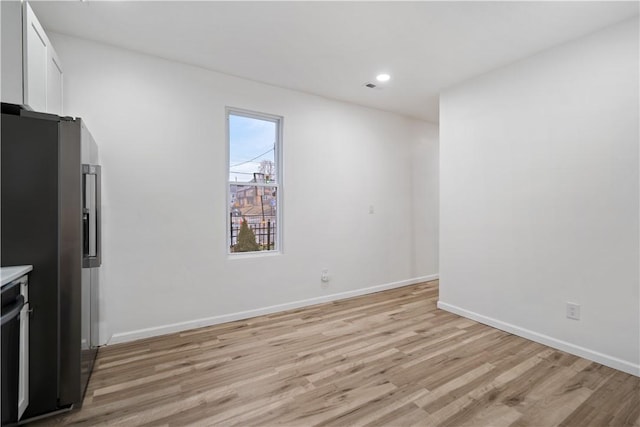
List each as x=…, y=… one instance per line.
x=573, y=311
x=324, y=276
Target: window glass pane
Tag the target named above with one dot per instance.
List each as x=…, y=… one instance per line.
x=252, y=153
x=257, y=207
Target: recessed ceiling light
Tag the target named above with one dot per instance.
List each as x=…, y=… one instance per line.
x=383, y=77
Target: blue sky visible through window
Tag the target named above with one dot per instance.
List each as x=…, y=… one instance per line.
x=252, y=141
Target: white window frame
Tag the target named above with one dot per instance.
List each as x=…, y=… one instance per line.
x=278, y=120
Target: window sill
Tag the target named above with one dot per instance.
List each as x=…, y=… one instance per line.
x=258, y=254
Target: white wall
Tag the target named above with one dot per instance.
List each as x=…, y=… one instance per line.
x=425, y=199
x=539, y=197
x=161, y=131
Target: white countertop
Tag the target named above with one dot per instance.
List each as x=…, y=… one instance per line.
x=9, y=274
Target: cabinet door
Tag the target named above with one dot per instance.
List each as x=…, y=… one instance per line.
x=54, y=82
x=35, y=44
x=11, y=52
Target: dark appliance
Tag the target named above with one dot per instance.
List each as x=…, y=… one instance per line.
x=12, y=304
x=49, y=171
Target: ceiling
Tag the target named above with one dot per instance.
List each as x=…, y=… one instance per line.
x=333, y=48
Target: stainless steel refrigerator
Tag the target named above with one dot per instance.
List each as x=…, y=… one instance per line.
x=51, y=219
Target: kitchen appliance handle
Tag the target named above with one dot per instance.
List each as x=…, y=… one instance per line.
x=13, y=312
x=98, y=213
x=85, y=232
x=93, y=259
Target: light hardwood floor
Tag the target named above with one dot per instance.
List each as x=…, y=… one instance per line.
x=386, y=359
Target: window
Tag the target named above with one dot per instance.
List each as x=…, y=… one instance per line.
x=254, y=181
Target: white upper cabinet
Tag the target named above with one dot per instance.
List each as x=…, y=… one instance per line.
x=54, y=83
x=31, y=70
x=35, y=46
x=11, y=37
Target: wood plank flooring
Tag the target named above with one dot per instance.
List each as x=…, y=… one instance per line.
x=386, y=359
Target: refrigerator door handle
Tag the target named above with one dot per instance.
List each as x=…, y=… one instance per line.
x=92, y=229
x=98, y=213
x=85, y=232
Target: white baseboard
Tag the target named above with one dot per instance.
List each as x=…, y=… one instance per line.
x=208, y=321
x=612, y=362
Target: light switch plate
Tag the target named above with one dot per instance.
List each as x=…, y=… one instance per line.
x=573, y=311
